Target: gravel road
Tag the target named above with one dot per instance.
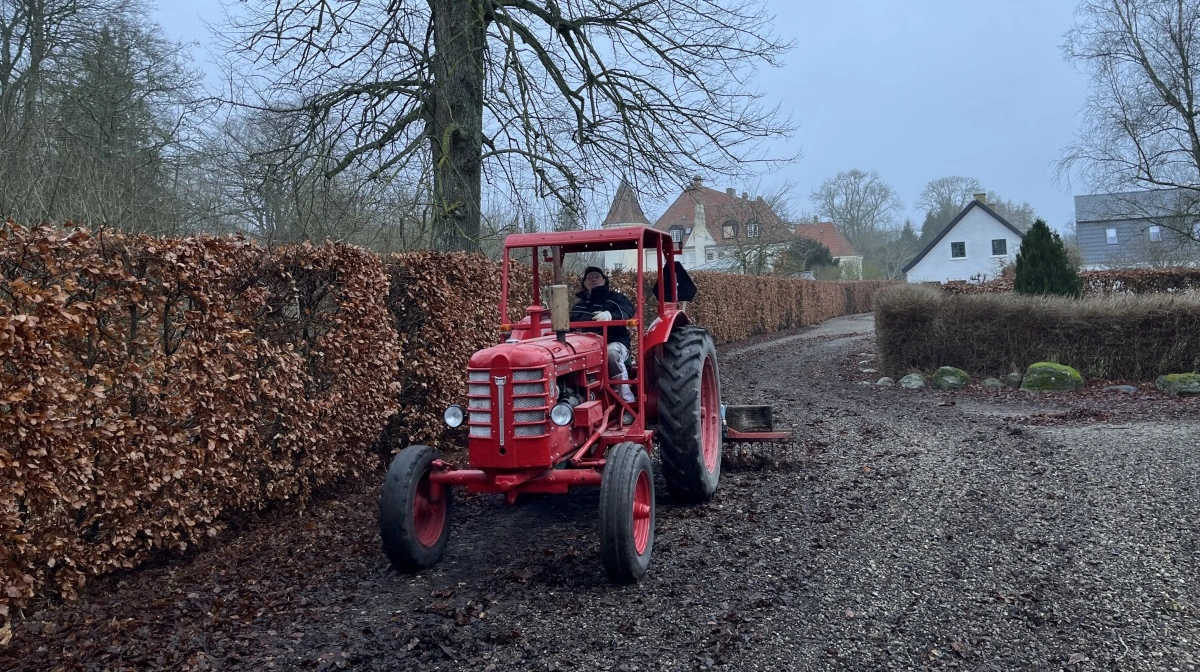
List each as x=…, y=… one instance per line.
x=902, y=530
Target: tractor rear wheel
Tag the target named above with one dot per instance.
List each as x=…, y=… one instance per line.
x=626, y=512
x=414, y=513
x=689, y=414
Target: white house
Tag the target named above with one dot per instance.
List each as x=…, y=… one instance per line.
x=974, y=246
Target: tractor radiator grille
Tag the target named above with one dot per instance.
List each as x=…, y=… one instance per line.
x=530, y=416
x=528, y=394
x=529, y=388
x=530, y=430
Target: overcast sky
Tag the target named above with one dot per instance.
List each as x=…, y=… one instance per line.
x=912, y=89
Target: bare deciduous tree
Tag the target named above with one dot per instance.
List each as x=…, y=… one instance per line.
x=858, y=203
x=952, y=192
x=562, y=94
x=1141, y=126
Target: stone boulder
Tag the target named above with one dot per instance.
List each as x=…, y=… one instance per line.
x=885, y=382
x=1051, y=377
x=1013, y=379
x=950, y=378
x=993, y=383
x=1179, y=383
x=913, y=381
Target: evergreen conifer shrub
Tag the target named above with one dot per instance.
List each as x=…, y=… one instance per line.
x=1043, y=266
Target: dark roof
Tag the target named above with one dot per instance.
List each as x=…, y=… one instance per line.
x=827, y=234
x=954, y=222
x=625, y=208
x=719, y=207
x=1131, y=205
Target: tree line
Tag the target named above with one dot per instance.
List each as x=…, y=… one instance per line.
x=450, y=123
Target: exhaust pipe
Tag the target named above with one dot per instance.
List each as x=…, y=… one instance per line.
x=560, y=311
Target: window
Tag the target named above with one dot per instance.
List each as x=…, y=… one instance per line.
x=958, y=250
x=1110, y=236
x=710, y=256
x=618, y=267
x=1155, y=234
x=753, y=229
x=677, y=234
x=729, y=229
x=999, y=247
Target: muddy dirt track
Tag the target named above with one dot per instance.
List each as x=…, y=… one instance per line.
x=974, y=530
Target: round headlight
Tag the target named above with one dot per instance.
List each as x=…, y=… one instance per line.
x=453, y=416
x=562, y=414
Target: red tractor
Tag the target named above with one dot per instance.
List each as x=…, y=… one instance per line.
x=542, y=414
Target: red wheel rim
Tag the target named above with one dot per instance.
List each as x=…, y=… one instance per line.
x=429, y=512
x=710, y=416
x=641, y=512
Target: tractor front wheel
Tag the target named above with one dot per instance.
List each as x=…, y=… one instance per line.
x=626, y=512
x=689, y=414
x=414, y=513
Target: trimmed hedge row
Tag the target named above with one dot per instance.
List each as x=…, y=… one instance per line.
x=1101, y=283
x=148, y=387
x=1121, y=337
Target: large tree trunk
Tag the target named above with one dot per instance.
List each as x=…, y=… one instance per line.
x=456, y=121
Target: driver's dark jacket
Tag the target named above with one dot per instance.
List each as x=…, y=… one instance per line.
x=602, y=298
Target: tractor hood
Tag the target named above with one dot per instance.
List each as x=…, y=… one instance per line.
x=538, y=352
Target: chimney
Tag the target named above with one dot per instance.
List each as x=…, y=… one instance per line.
x=758, y=199
x=697, y=182
x=745, y=196
x=982, y=198
x=731, y=192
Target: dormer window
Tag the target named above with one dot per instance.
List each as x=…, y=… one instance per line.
x=677, y=234
x=729, y=229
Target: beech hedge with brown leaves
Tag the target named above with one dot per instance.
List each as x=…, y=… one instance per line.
x=1100, y=283
x=150, y=389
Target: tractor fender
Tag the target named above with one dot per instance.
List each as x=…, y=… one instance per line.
x=660, y=329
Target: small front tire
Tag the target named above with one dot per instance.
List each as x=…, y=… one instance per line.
x=414, y=513
x=626, y=512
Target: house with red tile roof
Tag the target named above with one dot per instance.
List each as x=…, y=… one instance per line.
x=825, y=233
x=716, y=230
x=723, y=231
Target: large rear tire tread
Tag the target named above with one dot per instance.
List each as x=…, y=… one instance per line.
x=626, y=466
x=415, y=528
x=688, y=477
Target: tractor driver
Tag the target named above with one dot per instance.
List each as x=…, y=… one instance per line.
x=598, y=302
